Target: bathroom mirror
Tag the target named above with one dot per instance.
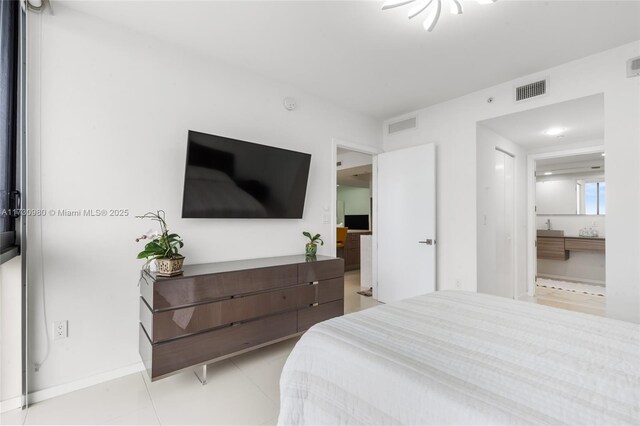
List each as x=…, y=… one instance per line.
x=572, y=186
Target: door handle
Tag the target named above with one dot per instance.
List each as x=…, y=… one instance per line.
x=428, y=242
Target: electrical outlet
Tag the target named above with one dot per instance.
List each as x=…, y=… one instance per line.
x=60, y=330
x=458, y=284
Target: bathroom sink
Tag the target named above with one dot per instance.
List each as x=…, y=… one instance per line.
x=550, y=233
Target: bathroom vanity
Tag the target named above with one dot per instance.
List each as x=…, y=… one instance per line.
x=559, y=247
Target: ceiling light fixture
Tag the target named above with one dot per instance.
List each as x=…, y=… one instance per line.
x=434, y=12
x=555, y=131
x=548, y=173
x=604, y=154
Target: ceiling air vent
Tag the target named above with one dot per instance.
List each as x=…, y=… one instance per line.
x=532, y=90
x=633, y=67
x=399, y=126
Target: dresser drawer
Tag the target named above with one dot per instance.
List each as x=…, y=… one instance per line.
x=331, y=290
x=178, y=293
x=166, y=325
x=311, y=316
x=168, y=357
x=321, y=270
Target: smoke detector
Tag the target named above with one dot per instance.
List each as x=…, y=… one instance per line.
x=289, y=104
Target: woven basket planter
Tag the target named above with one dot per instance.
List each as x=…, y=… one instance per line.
x=169, y=267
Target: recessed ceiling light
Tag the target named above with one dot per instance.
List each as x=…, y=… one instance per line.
x=548, y=173
x=604, y=154
x=555, y=131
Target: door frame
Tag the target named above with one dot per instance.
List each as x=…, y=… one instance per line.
x=532, y=256
x=514, y=228
x=363, y=149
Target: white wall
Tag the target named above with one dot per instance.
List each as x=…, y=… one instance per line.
x=115, y=110
x=10, y=330
x=356, y=200
x=452, y=127
x=487, y=142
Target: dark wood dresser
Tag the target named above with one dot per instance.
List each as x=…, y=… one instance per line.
x=216, y=310
x=352, y=250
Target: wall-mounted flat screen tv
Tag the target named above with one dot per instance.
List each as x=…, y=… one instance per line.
x=229, y=178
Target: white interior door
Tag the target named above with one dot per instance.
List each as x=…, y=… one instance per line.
x=505, y=225
x=406, y=200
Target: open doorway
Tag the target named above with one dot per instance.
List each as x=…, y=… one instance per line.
x=354, y=224
x=542, y=205
x=570, y=209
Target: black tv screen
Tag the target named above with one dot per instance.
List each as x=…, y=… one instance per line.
x=229, y=178
x=357, y=221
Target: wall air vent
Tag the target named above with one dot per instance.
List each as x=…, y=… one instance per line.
x=398, y=126
x=633, y=67
x=532, y=90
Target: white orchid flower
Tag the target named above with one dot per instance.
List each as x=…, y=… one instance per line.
x=153, y=234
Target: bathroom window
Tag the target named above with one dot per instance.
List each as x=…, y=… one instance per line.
x=594, y=198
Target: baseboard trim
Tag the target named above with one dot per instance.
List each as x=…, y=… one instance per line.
x=65, y=388
x=10, y=404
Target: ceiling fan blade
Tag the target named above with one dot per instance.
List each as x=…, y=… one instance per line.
x=432, y=19
x=395, y=3
x=418, y=9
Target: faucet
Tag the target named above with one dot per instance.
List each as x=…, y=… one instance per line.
x=548, y=223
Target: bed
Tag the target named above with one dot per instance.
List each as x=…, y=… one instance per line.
x=454, y=357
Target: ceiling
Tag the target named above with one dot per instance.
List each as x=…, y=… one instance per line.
x=342, y=151
x=584, y=163
x=579, y=120
x=572, y=159
x=359, y=177
x=378, y=62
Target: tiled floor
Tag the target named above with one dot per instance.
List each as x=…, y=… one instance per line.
x=353, y=302
x=241, y=390
x=586, y=303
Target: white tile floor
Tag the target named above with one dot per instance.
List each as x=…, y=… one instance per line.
x=353, y=302
x=242, y=390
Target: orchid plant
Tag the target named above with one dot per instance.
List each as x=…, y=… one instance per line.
x=163, y=245
x=312, y=246
x=313, y=239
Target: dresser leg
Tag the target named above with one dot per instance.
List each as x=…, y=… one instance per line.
x=203, y=375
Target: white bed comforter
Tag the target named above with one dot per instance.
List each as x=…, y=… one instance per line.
x=464, y=358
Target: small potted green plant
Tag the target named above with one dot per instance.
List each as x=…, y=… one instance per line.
x=312, y=246
x=163, y=247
